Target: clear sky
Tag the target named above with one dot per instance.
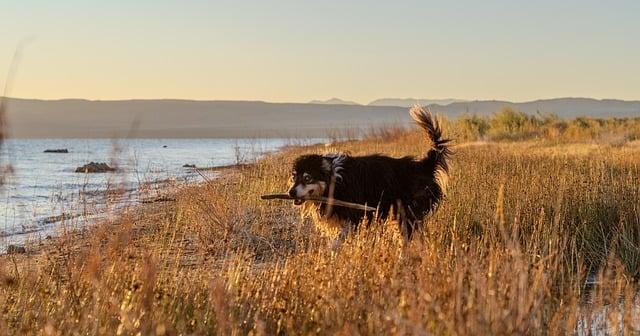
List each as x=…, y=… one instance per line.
x=296, y=51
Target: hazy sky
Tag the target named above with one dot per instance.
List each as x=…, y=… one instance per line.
x=296, y=51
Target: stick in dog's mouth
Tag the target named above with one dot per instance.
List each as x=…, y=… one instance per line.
x=332, y=201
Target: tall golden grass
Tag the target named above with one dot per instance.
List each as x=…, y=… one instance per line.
x=509, y=124
x=526, y=230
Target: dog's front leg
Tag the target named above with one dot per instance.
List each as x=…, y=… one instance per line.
x=344, y=233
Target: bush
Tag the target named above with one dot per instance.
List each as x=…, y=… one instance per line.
x=471, y=127
x=510, y=124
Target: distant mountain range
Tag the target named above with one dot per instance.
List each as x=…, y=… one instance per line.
x=563, y=107
x=333, y=101
x=403, y=102
x=408, y=102
x=170, y=118
x=222, y=119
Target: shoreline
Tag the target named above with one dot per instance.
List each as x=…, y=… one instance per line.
x=141, y=204
x=46, y=230
x=212, y=257
x=67, y=242
x=43, y=188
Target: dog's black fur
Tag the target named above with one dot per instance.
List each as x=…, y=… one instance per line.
x=406, y=188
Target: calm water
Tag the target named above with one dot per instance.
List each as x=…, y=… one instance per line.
x=43, y=185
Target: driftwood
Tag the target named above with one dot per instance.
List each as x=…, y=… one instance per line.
x=326, y=200
x=158, y=199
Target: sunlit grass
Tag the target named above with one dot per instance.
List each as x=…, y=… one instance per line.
x=524, y=225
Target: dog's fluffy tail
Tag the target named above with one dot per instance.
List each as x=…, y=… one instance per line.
x=436, y=159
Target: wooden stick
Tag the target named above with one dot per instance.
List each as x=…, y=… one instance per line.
x=326, y=200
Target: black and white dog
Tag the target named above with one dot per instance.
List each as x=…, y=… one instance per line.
x=406, y=189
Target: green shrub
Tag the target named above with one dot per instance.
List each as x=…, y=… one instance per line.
x=511, y=124
x=471, y=127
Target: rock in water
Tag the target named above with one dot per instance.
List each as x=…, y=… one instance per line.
x=188, y=166
x=61, y=150
x=95, y=167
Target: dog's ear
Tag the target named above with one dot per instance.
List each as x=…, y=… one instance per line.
x=332, y=164
x=327, y=165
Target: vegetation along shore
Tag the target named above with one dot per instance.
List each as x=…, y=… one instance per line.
x=539, y=234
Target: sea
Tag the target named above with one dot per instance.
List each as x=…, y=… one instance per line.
x=41, y=194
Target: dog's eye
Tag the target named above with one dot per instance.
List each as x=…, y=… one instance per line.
x=307, y=179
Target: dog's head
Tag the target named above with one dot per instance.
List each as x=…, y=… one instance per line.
x=310, y=177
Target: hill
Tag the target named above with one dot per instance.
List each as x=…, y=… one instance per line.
x=191, y=119
x=566, y=108
x=221, y=119
x=334, y=101
x=408, y=102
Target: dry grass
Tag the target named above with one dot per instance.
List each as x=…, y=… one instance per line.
x=509, y=124
x=523, y=226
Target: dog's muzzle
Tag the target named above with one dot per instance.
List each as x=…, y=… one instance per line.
x=294, y=194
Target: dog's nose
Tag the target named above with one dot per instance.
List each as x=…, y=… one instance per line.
x=292, y=192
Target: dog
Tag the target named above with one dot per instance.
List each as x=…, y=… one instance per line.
x=406, y=189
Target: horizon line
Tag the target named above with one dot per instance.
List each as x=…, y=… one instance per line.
x=320, y=101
